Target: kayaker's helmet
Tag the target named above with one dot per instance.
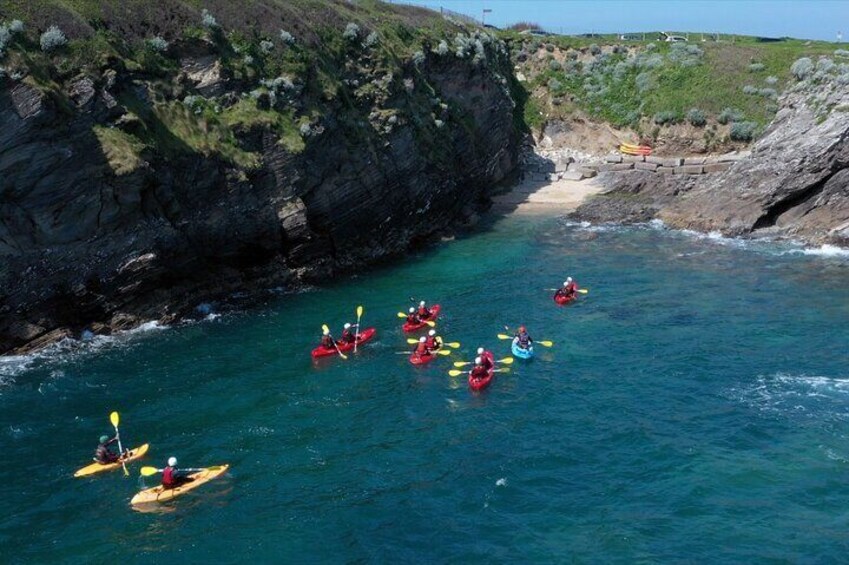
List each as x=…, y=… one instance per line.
x=522, y=329
x=478, y=361
x=480, y=350
x=104, y=439
x=347, y=326
x=172, y=461
x=412, y=309
x=431, y=333
x=421, y=303
x=422, y=339
x=568, y=279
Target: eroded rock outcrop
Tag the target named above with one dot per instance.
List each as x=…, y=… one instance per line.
x=794, y=184
x=86, y=244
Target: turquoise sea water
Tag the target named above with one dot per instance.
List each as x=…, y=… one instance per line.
x=695, y=408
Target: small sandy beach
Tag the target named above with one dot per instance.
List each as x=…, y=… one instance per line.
x=544, y=196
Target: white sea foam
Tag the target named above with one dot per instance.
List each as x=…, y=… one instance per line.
x=787, y=394
x=823, y=251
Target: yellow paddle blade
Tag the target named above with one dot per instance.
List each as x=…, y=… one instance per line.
x=342, y=355
x=412, y=341
x=114, y=418
x=324, y=328
x=431, y=324
x=401, y=315
x=503, y=336
x=443, y=352
x=454, y=344
x=545, y=343
x=502, y=370
x=455, y=373
x=359, y=311
x=583, y=290
x=462, y=363
x=148, y=471
x=506, y=360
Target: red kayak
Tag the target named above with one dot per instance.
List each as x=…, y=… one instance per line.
x=482, y=383
x=364, y=336
x=563, y=300
x=434, y=312
x=417, y=359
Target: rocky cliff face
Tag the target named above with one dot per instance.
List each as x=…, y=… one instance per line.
x=94, y=236
x=794, y=184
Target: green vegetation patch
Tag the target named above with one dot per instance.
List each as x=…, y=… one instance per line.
x=122, y=150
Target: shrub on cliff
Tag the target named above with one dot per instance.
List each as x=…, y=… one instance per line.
x=696, y=117
x=157, y=44
x=52, y=39
x=729, y=115
x=595, y=49
x=665, y=118
x=442, y=49
x=554, y=65
x=419, y=58
x=743, y=131
x=266, y=46
x=644, y=82
x=771, y=80
x=352, y=32
x=286, y=37
x=371, y=40
x=208, y=20
x=749, y=89
x=802, y=68
x=768, y=92
x=756, y=67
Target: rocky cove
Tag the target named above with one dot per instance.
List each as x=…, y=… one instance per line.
x=137, y=186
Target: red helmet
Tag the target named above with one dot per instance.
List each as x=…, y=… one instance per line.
x=521, y=328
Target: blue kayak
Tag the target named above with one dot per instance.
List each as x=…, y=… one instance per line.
x=522, y=353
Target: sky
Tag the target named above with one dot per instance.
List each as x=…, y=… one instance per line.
x=804, y=19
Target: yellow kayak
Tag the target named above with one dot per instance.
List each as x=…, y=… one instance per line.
x=161, y=494
x=134, y=454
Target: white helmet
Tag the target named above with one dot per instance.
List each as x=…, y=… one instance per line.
x=480, y=350
x=412, y=309
x=431, y=333
x=172, y=461
x=326, y=332
x=347, y=326
x=422, y=339
x=568, y=279
x=421, y=303
x=478, y=361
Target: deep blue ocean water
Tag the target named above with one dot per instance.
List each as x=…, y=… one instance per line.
x=694, y=408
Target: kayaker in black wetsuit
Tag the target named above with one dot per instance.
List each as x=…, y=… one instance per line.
x=327, y=341
x=172, y=477
x=424, y=313
x=347, y=335
x=413, y=317
x=105, y=454
x=434, y=342
x=522, y=338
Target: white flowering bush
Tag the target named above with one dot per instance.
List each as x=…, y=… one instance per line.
x=208, y=20
x=286, y=37
x=802, y=68
x=52, y=39
x=352, y=31
x=157, y=44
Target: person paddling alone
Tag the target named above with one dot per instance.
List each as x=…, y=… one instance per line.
x=523, y=338
x=106, y=452
x=173, y=477
x=570, y=288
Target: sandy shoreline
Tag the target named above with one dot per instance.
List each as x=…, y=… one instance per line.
x=536, y=196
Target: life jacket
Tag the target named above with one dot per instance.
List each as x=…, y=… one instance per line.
x=103, y=455
x=169, y=480
x=487, y=364
x=327, y=342
x=433, y=342
x=524, y=339
x=423, y=312
x=479, y=372
x=571, y=288
x=421, y=349
x=348, y=336
x=413, y=318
